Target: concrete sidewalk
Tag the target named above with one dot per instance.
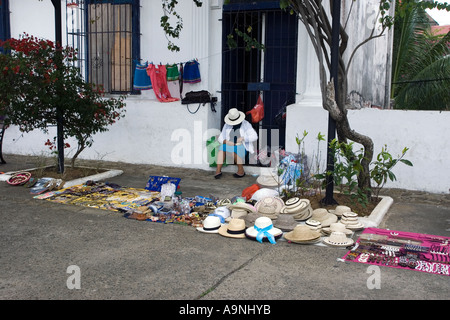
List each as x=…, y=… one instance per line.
x=126, y=259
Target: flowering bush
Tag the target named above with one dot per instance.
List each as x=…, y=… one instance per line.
x=37, y=78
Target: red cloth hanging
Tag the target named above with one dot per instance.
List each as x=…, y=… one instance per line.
x=159, y=83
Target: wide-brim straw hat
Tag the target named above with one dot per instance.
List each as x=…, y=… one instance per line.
x=264, y=193
x=269, y=206
x=324, y=217
x=263, y=223
x=234, y=229
x=211, y=224
x=242, y=205
x=268, y=181
x=285, y=222
x=234, y=117
x=340, y=210
x=338, y=239
x=338, y=227
x=302, y=234
x=240, y=210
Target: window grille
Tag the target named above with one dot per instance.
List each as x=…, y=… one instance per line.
x=106, y=34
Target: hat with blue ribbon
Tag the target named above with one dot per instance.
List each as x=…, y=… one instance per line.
x=263, y=230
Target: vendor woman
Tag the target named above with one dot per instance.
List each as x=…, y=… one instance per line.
x=237, y=138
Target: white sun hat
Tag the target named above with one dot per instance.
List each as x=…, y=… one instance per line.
x=234, y=117
x=263, y=230
x=211, y=224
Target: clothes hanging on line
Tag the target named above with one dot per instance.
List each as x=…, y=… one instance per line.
x=158, y=76
x=191, y=72
x=141, y=78
x=172, y=72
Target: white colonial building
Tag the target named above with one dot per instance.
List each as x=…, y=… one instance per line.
x=114, y=38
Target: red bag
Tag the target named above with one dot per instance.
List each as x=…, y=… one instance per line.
x=249, y=191
x=258, y=111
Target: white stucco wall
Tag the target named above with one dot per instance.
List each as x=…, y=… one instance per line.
x=167, y=134
x=423, y=132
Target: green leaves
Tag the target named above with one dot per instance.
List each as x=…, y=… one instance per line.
x=382, y=167
x=347, y=168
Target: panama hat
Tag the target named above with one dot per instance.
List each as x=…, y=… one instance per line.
x=268, y=180
x=337, y=226
x=285, y=222
x=300, y=208
x=234, y=117
x=269, y=206
x=324, y=217
x=240, y=210
x=302, y=234
x=242, y=205
x=338, y=239
x=211, y=224
x=350, y=220
x=313, y=224
x=340, y=210
x=234, y=229
x=263, y=230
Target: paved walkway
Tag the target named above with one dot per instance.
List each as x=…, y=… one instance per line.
x=127, y=259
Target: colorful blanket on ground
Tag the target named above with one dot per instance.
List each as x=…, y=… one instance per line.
x=108, y=197
x=404, y=250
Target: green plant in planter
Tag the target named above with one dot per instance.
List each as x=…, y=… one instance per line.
x=382, y=167
x=348, y=166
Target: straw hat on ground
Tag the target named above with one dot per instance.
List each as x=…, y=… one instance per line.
x=240, y=210
x=269, y=206
x=338, y=239
x=300, y=208
x=340, y=210
x=303, y=234
x=285, y=222
x=251, y=218
x=314, y=224
x=339, y=227
x=268, y=181
x=234, y=229
x=324, y=217
x=350, y=219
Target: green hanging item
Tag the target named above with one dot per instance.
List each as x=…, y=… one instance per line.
x=212, y=149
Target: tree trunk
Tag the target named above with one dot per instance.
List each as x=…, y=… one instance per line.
x=345, y=132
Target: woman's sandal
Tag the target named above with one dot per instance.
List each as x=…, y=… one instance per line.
x=238, y=175
x=218, y=175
